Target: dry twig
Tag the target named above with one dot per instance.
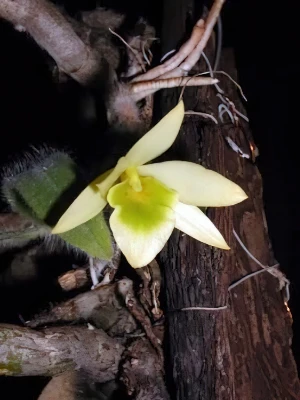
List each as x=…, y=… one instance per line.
x=126, y=290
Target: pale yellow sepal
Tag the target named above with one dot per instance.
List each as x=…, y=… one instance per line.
x=159, y=139
x=105, y=184
x=195, y=184
x=85, y=207
x=192, y=221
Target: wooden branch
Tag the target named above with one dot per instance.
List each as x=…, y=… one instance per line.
x=48, y=352
x=102, y=307
x=136, y=309
x=49, y=28
x=73, y=279
x=142, y=372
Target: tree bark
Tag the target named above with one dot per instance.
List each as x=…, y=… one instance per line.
x=242, y=352
x=25, y=352
x=103, y=307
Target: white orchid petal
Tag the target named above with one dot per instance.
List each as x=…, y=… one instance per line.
x=193, y=222
x=159, y=139
x=139, y=245
x=195, y=184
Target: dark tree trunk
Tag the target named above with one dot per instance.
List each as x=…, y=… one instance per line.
x=242, y=352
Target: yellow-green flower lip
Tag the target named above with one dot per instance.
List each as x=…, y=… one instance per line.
x=150, y=200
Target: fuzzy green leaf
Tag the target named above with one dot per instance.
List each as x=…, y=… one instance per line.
x=44, y=188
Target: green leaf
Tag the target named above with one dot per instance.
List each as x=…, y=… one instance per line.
x=43, y=188
x=93, y=237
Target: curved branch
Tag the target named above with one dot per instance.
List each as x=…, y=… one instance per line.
x=102, y=307
x=55, y=34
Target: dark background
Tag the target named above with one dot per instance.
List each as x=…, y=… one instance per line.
x=266, y=41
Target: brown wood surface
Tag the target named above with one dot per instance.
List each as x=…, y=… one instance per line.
x=242, y=352
x=51, y=351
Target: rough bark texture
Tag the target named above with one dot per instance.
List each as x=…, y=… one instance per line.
x=242, y=352
x=142, y=372
x=25, y=352
x=102, y=307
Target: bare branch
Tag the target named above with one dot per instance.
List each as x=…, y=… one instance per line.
x=25, y=352
x=102, y=307
x=136, y=309
x=55, y=34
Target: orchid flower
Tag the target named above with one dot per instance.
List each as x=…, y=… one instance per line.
x=150, y=200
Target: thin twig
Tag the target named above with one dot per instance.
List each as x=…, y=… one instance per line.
x=235, y=82
x=125, y=289
x=175, y=61
x=233, y=285
x=203, y=308
x=223, y=108
x=229, y=77
x=219, y=42
x=167, y=55
x=236, y=148
x=135, y=53
x=228, y=102
x=145, y=55
x=247, y=251
x=283, y=281
x=279, y=275
x=189, y=53
x=241, y=115
x=205, y=115
x=211, y=71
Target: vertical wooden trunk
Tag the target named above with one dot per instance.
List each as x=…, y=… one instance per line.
x=242, y=352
